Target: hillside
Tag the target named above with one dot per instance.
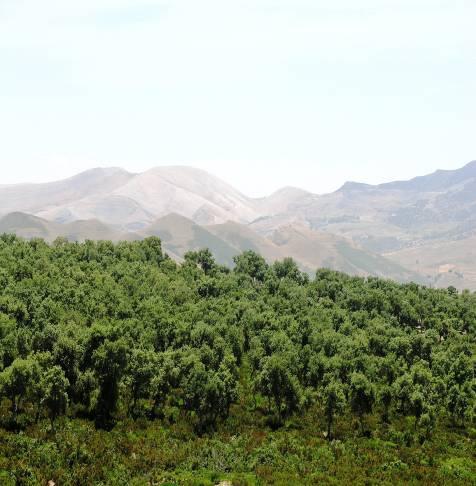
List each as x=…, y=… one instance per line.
x=353, y=229
x=119, y=366
x=429, y=219
x=445, y=262
x=180, y=235
x=190, y=192
x=439, y=206
x=28, y=226
x=318, y=249
x=310, y=249
x=243, y=238
x=131, y=200
x=110, y=209
x=37, y=198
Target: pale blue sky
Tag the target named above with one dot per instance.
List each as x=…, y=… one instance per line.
x=262, y=93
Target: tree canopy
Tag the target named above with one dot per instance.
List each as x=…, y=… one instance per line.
x=113, y=331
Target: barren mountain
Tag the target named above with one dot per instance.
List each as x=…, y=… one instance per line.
x=427, y=224
x=192, y=193
x=131, y=200
x=312, y=250
x=285, y=200
x=445, y=263
x=396, y=215
x=316, y=249
x=36, y=198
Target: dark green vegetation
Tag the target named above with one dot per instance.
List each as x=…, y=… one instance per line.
x=118, y=366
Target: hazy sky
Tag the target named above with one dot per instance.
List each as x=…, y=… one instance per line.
x=262, y=93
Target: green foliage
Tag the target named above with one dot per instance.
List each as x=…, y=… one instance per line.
x=197, y=362
x=362, y=395
x=334, y=403
x=109, y=361
x=251, y=264
x=54, y=386
x=277, y=382
x=19, y=381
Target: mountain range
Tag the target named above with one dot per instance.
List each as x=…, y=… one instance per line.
x=420, y=230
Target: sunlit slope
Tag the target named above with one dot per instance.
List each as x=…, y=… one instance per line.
x=316, y=249
x=180, y=235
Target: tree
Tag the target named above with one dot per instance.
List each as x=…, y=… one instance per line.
x=362, y=396
x=460, y=402
x=416, y=391
x=140, y=371
x=428, y=420
x=17, y=380
x=228, y=376
x=203, y=258
x=288, y=268
x=8, y=348
x=402, y=390
x=423, y=395
x=385, y=398
x=54, y=386
x=201, y=389
x=152, y=248
x=66, y=354
x=277, y=382
x=418, y=405
x=167, y=376
x=109, y=362
x=208, y=393
x=334, y=403
x=216, y=396
x=86, y=386
x=252, y=264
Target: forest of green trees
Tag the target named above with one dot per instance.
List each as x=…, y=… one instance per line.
x=120, y=366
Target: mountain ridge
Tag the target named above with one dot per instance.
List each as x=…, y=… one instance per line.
x=468, y=169
x=385, y=220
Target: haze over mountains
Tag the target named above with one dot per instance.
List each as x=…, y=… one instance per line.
x=423, y=229
x=131, y=200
